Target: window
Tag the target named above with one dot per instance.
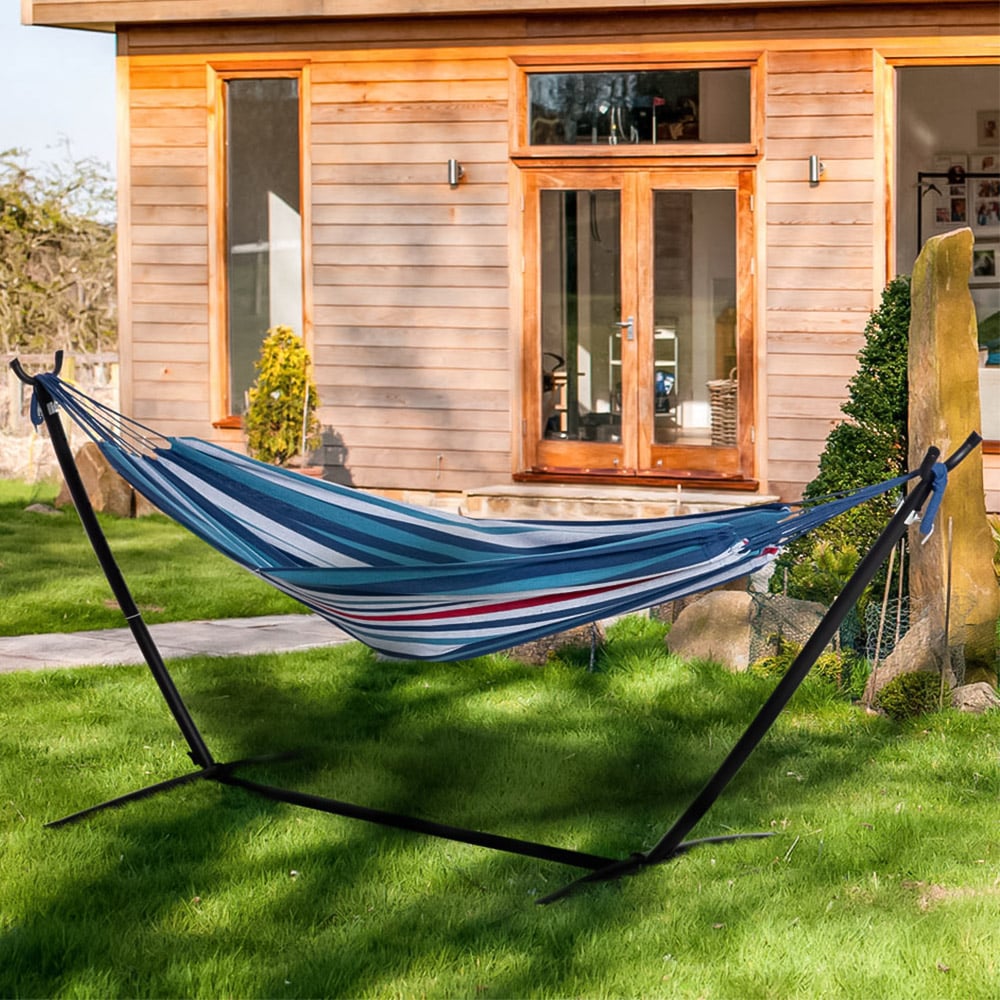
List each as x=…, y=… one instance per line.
x=263, y=262
x=949, y=177
x=639, y=107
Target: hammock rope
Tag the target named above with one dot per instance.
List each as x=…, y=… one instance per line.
x=426, y=584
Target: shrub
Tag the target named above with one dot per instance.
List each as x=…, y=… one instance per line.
x=830, y=666
x=872, y=444
x=909, y=695
x=821, y=575
x=281, y=411
x=868, y=447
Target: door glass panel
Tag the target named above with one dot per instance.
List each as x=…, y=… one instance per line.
x=580, y=251
x=263, y=220
x=694, y=317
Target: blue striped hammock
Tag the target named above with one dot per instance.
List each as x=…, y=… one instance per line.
x=419, y=583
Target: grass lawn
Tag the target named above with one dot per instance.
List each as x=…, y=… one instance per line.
x=50, y=580
x=882, y=879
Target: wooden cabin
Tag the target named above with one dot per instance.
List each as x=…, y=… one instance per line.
x=540, y=245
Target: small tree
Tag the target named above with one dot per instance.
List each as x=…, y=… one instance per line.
x=868, y=447
x=57, y=257
x=281, y=421
x=872, y=444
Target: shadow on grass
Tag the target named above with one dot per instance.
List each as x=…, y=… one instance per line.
x=209, y=881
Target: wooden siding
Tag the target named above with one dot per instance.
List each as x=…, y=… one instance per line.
x=410, y=276
x=168, y=241
x=824, y=259
x=413, y=288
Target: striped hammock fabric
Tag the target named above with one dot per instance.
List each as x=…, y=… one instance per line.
x=417, y=583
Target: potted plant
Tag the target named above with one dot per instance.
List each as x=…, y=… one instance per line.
x=280, y=422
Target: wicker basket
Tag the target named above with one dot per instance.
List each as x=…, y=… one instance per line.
x=722, y=398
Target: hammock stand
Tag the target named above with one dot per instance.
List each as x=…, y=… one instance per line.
x=930, y=480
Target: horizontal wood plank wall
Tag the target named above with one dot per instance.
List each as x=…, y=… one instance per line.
x=410, y=275
x=821, y=266
x=168, y=205
x=411, y=278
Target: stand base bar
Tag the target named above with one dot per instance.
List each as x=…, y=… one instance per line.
x=142, y=793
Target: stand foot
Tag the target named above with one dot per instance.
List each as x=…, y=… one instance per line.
x=638, y=861
x=213, y=772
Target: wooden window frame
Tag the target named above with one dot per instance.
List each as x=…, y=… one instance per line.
x=717, y=157
x=217, y=75
x=523, y=153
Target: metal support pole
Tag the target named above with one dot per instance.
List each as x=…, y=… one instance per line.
x=671, y=843
x=199, y=752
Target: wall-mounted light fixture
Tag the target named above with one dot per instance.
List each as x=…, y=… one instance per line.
x=816, y=170
x=455, y=173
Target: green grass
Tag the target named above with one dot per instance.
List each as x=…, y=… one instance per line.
x=882, y=879
x=50, y=580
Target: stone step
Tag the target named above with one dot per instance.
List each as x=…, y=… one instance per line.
x=546, y=501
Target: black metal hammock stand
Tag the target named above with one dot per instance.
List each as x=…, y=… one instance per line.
x=926, y=489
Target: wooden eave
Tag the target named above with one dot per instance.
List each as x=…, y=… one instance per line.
x=109, y=15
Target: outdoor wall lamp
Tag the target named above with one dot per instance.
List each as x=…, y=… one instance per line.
x=816, y=170
x=455, y=173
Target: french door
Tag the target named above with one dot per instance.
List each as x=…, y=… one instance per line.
x=638, y=358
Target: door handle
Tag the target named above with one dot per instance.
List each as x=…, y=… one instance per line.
x=628, y=325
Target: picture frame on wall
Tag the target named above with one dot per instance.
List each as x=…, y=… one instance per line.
x=985, y=264
x=987, y=128
x=984, y=194
x=951, y=207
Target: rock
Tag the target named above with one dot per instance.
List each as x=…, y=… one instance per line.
x=922, y=648
x=143, y=507
x=41, y=508
x=670, y=611
x=778, y=614
x=107, y=491
x=716, y=627
x=976, y=698
x=944, y=408
x=734, y=627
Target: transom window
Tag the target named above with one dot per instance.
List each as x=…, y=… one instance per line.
x=639, y=107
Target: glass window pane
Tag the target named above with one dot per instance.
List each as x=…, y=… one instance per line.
x=580, y=305
x=641, y=107
x=694, y=317
x=942, y=108
x=263, y=220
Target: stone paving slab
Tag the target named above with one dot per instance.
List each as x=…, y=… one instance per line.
x=175, y=640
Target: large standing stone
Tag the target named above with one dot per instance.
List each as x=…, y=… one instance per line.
x=944, y=408
x=107, y=491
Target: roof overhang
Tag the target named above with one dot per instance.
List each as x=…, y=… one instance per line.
x=108, y=15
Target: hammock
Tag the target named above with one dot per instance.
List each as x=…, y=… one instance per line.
x=429, y=585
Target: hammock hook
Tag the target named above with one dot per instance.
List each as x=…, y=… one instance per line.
x=27, y=379
x=36, y=414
